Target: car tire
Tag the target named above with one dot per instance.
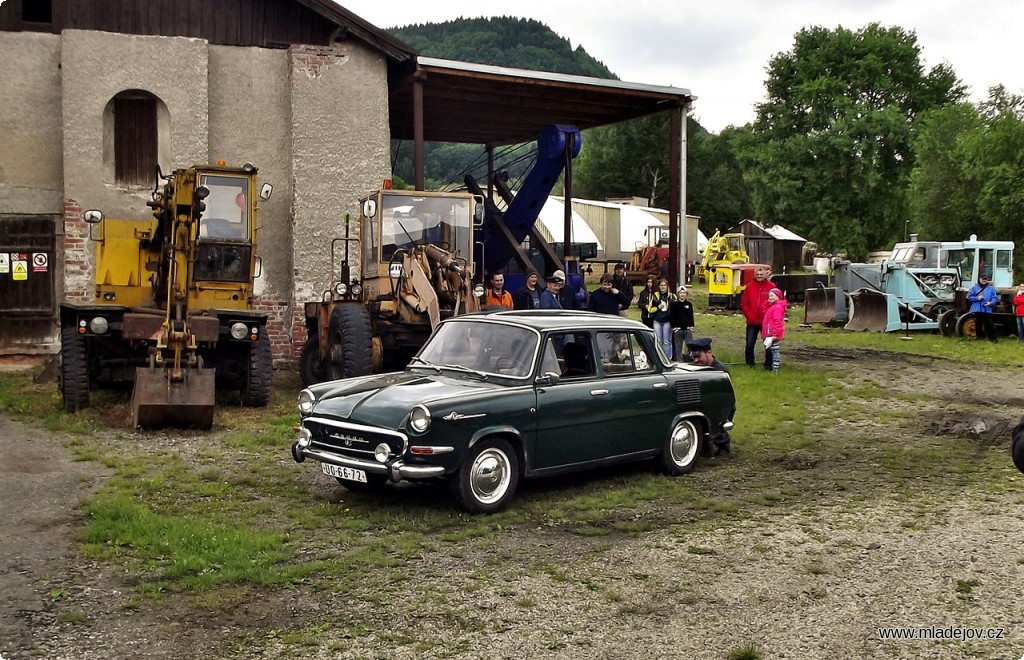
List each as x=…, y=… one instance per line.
x=74, y=370
x=487, y=478
x=349, y=342
x=311, y=368
x=682, y=449
x=373, y=482
x=258, y=373
x=1017, y=446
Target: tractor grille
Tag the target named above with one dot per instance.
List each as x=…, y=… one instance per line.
x=687, y=391
x=353, y=439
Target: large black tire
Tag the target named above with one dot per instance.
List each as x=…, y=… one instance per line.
x=947, y=322
x=487, y=478
x=259, y=373
x=682, y=449
x=311, y=369
x=74, y=370
x=1017, y=446
x=349, y=342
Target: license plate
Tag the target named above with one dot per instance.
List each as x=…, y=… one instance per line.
x=343, y=472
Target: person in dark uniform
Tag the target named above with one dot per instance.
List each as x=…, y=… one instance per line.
x=702, y=355
x=622, y=287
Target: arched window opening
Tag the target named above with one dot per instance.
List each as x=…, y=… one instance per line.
x=136, y=138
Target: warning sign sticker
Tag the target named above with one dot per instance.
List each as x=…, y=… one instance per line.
x=40, y=262
x=5, y=262
x=20, y=270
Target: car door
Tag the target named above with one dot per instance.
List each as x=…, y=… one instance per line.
x=573, y=415
x=637, y=392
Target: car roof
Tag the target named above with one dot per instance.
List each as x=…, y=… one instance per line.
x=556, y=319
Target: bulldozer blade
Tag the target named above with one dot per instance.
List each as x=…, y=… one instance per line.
x=157, y=401
x=824, y=305
x=873, y=311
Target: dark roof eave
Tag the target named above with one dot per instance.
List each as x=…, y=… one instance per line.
x=391, y=47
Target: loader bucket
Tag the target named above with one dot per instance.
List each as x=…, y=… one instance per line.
x=157, y=401
x=873, y=311
x=824, y=305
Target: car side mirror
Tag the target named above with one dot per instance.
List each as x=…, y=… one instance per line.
x=549, y=378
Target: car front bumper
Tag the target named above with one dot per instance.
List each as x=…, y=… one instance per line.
x=396, y=470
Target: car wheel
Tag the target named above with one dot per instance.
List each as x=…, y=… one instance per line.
x=1017, y=447
x=487, y=478
x=682, y=448
x=74, y=370
x=311, y=367
x=350, y=342
x=373, y=482
x=259, y=373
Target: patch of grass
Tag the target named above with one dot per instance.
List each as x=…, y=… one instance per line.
x=76, y=617
x=699, y=550
x=965, y=587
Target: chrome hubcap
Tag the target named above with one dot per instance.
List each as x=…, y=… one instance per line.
x=684, y=444
x=490, y=476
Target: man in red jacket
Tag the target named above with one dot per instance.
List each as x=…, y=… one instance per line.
x=753, y=303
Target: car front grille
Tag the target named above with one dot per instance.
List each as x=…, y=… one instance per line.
x=353, y=439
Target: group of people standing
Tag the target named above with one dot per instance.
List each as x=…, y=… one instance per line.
x=764, y=307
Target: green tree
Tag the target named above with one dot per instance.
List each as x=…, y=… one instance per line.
x=829, y=154
x=969, y=176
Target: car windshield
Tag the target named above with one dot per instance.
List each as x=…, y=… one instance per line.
x=487, y=347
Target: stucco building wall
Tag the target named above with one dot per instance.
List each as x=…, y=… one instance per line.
x=313, y=119
x=31, y=161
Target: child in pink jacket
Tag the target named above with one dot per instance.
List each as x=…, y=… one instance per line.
x=773, y=329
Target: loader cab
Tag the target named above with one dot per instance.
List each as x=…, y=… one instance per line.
x=397, y=220
x=224, y=247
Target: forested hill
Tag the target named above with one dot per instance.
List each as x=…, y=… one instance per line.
x=521, y=43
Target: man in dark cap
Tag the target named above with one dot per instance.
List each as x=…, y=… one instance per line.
x=701, y=354
x=622, y=287
x=549, y=298
x=983, y=299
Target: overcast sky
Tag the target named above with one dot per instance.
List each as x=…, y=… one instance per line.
x=719, y=49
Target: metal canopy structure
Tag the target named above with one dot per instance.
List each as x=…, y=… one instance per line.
x=439, y=100
x=482, y=104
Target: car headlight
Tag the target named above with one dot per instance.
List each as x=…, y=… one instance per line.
x=306, y=401
x=239, y=330
x=341, y=288
x=99, y=325
x=419, y=419
x=382, y=453
x=478, y=290
x=357, y=289
x=305, y=437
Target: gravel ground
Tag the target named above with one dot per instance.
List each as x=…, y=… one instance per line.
x=812, y=579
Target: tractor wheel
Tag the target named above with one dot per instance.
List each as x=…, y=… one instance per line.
x=74, y=370
x=312, y=369
x=947, y=322
x=258, y=374
x=350, y=342
x=966, y=326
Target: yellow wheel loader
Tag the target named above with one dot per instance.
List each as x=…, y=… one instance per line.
x=413, y=270
x=172, y=312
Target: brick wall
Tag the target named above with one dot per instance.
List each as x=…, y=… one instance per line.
x=78, y=280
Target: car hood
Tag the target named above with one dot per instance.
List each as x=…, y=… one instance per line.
x=386, y=400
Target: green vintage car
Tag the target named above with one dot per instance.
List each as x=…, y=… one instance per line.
x=496, y=397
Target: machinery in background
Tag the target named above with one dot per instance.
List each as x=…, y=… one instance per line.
x=173, y=302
